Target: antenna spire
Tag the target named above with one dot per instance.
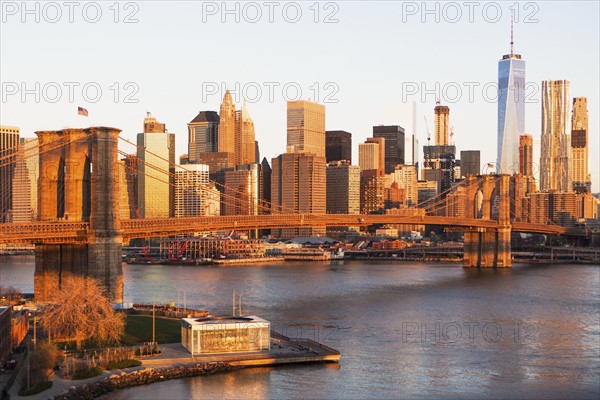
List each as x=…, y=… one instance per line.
x=512, y=18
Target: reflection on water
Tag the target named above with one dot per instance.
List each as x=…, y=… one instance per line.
x=404, y=330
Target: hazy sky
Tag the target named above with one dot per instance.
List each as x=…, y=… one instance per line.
x=367, y=63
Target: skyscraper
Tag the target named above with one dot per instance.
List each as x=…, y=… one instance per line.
x=338, y=146
x=394, y=145
x=579, y=144
x=156, y=164
x=526, y=155
x=241, y=190
x=203, y=133
x=369, y=156
x=554, y=158
x=236, y=138
x=226, y=136
x=406, y=178
x=511, y=109
x=306, y=127
x=191, y=188
x=9, y=145
x=245, y=145
x=264, y=187
x=25, y=181
x=442, y=116
x=381, y=148
x=343, y=188
x=298, y=184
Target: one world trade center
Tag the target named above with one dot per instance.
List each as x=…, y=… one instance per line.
x=511, y=110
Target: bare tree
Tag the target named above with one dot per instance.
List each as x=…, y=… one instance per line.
x=10, y=293
x=81, y=310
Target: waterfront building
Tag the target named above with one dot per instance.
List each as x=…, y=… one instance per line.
x=555, y=171
x=394, y=145
x=232, y=334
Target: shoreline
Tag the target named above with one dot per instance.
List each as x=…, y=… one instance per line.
x=124, y=380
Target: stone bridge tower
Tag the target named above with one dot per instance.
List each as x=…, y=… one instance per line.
x=485, y=247
x=78, y=181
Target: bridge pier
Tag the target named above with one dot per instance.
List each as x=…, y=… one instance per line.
x=82, y=185
x=489, y=247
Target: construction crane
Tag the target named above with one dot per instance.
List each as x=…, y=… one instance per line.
x=427, y=127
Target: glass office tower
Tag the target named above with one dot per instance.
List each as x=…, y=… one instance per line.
x=511, y=110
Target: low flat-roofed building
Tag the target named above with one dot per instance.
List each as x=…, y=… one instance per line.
x=225, y=334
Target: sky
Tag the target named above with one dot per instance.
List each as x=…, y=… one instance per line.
x=368, y=62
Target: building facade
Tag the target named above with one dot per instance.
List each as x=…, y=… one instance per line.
x=526, y=155
x=191, y=190
x=368, y=156
x=406, y=178
x=372, y=191
x=438, y=165
x=241, y=193
x=582, y=181
x=442, y=120
x=470, y=162
x=555, y=171
x=9, y=147
x=343, y=188
x=298, y=184
x=338, y=146
x=306, y=127
x=156, y=171
x=394, y=145
x=203, y=133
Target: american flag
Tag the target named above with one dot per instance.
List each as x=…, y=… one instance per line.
x=82, y=111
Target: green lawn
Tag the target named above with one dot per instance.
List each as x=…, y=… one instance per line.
x=138, y=329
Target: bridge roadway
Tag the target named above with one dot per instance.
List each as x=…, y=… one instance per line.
x=78, y=232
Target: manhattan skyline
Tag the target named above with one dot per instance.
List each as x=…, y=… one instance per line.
x=370, y=83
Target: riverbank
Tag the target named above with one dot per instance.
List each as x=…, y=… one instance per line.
x=141, y=377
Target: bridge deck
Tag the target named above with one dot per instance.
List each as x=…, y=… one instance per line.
x=78, y=232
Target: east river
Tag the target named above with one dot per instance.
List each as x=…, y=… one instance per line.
x=404, y=330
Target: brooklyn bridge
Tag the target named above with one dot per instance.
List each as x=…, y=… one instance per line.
x=79, y=178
